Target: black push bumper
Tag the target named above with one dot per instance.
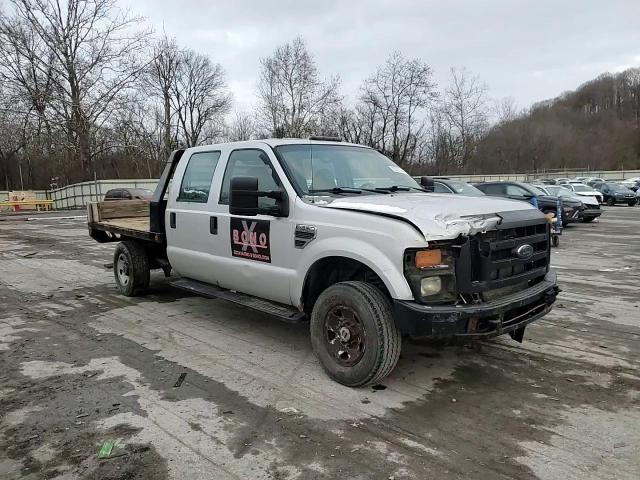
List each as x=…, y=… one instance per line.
x=482, y=320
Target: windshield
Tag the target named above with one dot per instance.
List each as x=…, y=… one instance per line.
x=315, y=168
x=560, y=191
x=464, y=188
x=616, y=187
x=582, y=188
x=539, y=190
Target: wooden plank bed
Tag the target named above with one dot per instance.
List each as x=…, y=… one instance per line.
x=121, y=218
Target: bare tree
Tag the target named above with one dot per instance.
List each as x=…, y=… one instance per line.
x=505, y=109
x=200, y=97
x=465, y=108
x=161, y=77
x=394, y=99
x=94, y=56
x=243, y=127
x=293, y=99
x=12, y=138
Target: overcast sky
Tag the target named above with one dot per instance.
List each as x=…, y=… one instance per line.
x=529, y=50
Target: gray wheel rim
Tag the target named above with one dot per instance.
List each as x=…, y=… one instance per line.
x=345, y=336
x=122, y=270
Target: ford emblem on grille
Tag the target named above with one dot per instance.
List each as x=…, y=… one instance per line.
x=524, y=252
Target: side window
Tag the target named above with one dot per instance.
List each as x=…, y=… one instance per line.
x=251, y=163
x=441, y=188
x=113, y=194
x=516, y=191
x=492, y=189
x=196, y=181
x=126, y=194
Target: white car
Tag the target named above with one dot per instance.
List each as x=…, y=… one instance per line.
x=338, y=235
x=591, y=204
x=582, y=190
x=562, y=181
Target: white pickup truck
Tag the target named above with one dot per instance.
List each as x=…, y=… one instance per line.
x=338, y=235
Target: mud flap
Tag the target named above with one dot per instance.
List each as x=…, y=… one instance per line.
x=518, y=334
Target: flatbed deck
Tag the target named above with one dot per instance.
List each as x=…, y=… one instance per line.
x=115, y=220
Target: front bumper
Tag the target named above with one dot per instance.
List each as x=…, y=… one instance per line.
x=591, y=213
x=572, y=214
x=481, y=320
x=625, y=199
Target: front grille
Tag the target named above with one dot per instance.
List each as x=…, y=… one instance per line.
x=489, y=262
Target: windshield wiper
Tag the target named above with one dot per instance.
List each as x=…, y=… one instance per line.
x=337, y=190
x=397, y=188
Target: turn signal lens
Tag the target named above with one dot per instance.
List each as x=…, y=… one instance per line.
x=428, y=258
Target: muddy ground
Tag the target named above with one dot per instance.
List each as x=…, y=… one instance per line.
x=81, y=364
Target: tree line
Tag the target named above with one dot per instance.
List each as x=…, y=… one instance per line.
x=86, y=91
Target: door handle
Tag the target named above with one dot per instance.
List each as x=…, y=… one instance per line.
x=172, y=219
x=213, y=225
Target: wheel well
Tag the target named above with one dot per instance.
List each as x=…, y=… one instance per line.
x=330, y=270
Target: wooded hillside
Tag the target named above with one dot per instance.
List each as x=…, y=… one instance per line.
x=595, y=127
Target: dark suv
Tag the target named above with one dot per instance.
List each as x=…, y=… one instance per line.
x=615, y=193
x=571, y=209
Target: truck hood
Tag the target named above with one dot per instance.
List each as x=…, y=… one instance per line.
x=438, y=216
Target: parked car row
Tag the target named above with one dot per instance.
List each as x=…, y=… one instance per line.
x=611, y=192
x=578, y=204
x=572, y=209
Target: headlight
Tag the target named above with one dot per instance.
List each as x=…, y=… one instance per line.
x=430, y=286
x=430, y=273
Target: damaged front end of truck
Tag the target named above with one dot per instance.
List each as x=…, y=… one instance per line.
x=493, y=278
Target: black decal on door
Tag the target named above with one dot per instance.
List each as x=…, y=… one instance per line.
x=250, y=239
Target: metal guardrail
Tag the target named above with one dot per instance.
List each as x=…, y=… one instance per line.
x=79, y=194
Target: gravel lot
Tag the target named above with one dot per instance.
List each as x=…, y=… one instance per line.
x=82, y=365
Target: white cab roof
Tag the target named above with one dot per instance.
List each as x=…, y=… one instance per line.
x=272, y=142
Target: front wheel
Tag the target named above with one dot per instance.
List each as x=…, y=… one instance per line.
x=131, y=268
x=588, y=219
x=611, y=202
x=354, y=335
x=632, y=203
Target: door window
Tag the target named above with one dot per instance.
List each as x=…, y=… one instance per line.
x=492, y=189
x=113, y=195
x=251, y=163
x=516, y=191
x=196, y=181
x=441, y=188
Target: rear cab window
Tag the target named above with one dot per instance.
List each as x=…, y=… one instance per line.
x=198, y=175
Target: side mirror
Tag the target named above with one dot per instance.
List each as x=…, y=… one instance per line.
x=244, y=194
x=427, y=183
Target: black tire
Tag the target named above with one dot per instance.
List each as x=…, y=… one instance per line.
x=632, y=204
x=131, y=268
x=380, y=347
x=588, y=219
x=555, y=240
x=611, y=202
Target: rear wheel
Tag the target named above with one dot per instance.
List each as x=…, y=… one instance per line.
x=354, y=335
x=611, y=202
x=131, y=268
